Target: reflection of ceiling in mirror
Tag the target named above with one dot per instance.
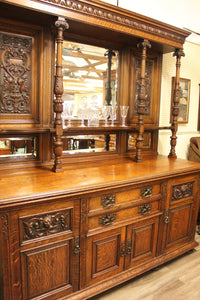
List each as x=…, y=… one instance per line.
x=84, y=67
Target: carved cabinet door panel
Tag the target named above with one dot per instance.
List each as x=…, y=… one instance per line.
x=41, y=250
x=105, y=255
x=180, y=214
x=141, y=242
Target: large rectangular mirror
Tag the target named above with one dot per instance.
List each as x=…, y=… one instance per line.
x=85, y=76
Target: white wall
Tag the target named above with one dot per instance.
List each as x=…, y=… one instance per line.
x=183, y=14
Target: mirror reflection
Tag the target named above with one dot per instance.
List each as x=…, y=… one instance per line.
x=88, y=143
x=18, y=147
x=85, y=77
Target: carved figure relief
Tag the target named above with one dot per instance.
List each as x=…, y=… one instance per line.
x=15, y=74
x=44, y=225
x=148, y=78
x=182, y=191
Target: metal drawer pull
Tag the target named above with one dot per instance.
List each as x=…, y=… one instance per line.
x=122, y=253
x=166, y=218
x=107, y=219
x=108, y=200
x=146, y=192
x=77, y=248
x=128, y=247
x=145, y=209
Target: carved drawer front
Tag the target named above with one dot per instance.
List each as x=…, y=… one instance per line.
x=45, y=224
x=182, y=189
x=109, y=200
x=133, y=210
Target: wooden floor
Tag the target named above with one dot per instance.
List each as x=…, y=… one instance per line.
x=176, y=280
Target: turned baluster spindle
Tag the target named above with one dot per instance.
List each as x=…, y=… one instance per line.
x=108, y=97
x=175, y=107
x=141, y=101
x=61, y=25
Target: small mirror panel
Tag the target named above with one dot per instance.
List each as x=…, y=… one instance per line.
x=88, y=143
x=18, y=147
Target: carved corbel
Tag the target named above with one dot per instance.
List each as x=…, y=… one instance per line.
x=61, y=25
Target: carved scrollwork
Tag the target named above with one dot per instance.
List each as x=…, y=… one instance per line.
x=182, y=191
x=47, y=224
x=15, y=74
x=107, y=219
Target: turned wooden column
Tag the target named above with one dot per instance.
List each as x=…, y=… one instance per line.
x=141, y=101
x=61, y=25
x=108, y=97
x=175, y=107
x=108, y=94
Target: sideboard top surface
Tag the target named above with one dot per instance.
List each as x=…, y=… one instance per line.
x=18, y=186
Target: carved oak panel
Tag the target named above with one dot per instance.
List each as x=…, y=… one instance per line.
x=46, y=224
x=148, y=80
x=46, y=270
x=182, y=191
x=15, y=74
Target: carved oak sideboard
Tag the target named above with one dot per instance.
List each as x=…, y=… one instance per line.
x=72, y=236
x=75, y=224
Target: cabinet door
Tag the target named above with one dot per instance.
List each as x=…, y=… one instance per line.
x=49, y=249
x=141, y=242
x=105, y=255
x=180, y=213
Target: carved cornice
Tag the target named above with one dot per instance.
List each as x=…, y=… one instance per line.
x=121, y=17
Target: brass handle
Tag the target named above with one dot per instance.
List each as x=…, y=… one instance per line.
x=146, y=192
x=128, y=251
x=77, y=248
x=166, y=218
x=108, y=201
x=145, y=209
x=107, y=219
x=122, y=252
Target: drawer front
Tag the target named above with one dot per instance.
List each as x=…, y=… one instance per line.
x=113, y=198
x=136, y=210
x=182, y=189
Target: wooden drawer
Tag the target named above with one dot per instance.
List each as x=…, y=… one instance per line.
x=131, y=211
x=181, y=189
x=107, y=200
